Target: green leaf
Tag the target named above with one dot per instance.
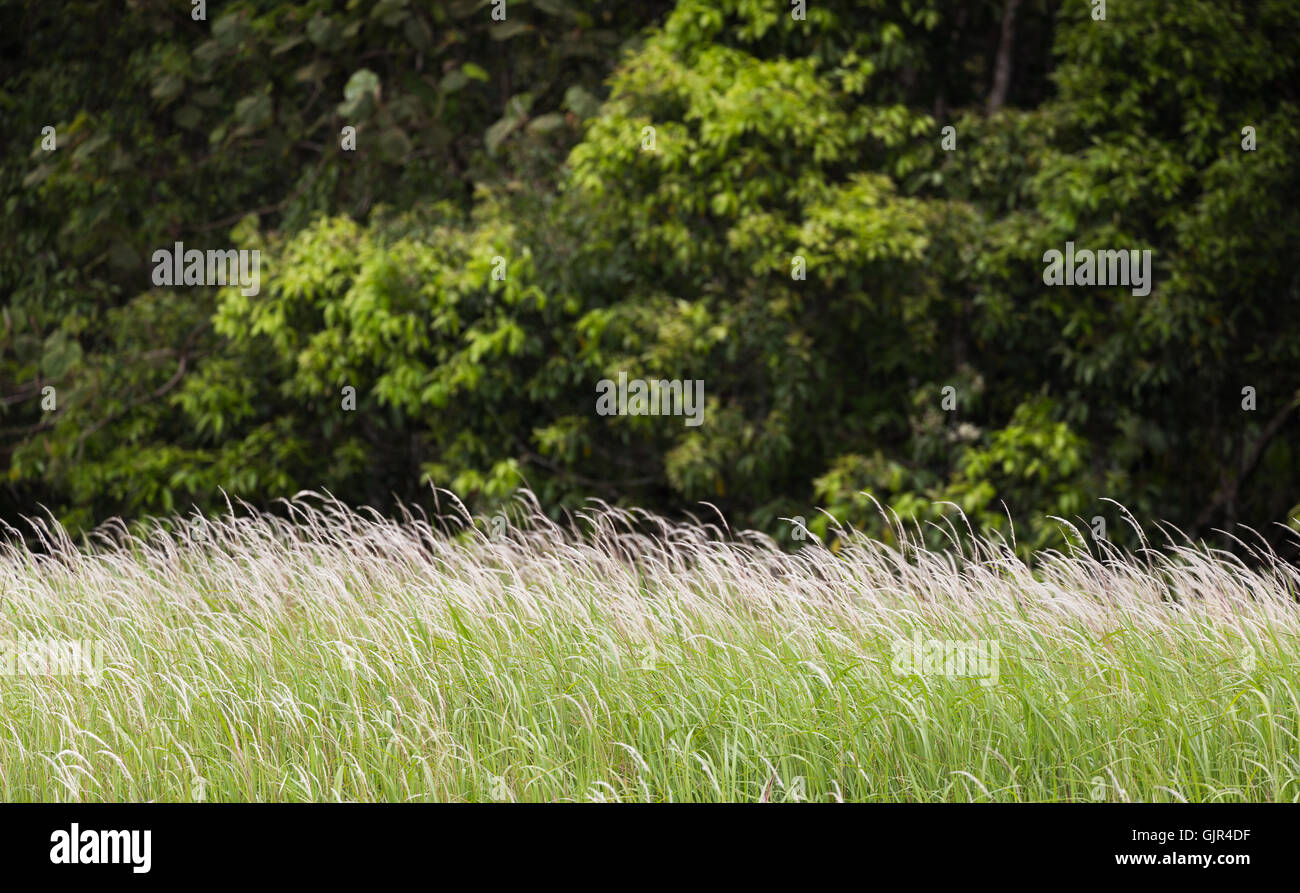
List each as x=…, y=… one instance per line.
x=38, y=175
x=418, y=33
x=519, y=105
x=454, y=80
x=228, y=30
x=390, y=12
x=358, y=109
x=496, y=134
x=507, y=30
x=85, y=150
x=363, y=81
x=60, y=355
x=167, y=88
x=314, y=71
x=209, y=52
x=324, y=32
x=546, y=123
x=253, y=112
x=287, y=44
x=581, y=103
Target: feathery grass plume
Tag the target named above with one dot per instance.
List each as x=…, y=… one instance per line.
x=328, y=653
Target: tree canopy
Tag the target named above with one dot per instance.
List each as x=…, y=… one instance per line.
x=835, y=214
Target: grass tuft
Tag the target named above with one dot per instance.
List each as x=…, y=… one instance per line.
x=334, y=655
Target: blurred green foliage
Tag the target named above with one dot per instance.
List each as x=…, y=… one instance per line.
x=647, y=175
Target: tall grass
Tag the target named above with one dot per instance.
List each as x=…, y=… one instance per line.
x=333, y=655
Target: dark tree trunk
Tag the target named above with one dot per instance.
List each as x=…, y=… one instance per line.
x=1002, y=67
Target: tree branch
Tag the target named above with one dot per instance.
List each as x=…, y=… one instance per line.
x=1226, y=495
x=147, y=398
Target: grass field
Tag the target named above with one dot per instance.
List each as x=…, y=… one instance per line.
x=337, y=656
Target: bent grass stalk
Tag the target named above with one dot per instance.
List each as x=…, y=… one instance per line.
x=334, y=655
